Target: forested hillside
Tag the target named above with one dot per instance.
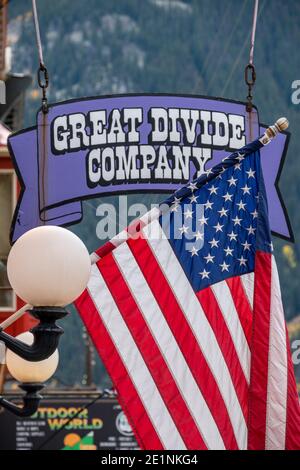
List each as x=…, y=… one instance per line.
x=200, y=46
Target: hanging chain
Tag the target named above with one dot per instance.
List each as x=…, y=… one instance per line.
x=250, y=77
x=250, y=72
x=43, y=81
x=42, y=74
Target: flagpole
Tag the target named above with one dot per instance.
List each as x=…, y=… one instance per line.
x=280, y=125
x=15, y=316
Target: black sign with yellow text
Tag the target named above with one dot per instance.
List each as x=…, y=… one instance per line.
x=64, y=424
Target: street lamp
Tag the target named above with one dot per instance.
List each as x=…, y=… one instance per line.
x=48, y=267
x=31, y=375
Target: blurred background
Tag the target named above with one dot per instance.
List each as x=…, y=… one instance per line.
x=171, y=46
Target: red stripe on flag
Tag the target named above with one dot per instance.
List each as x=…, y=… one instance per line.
x=127, y=395
x=242, y=305
x=185, y=338
x=104, y=249
x=152, y=355
x=260, y=352
x=215, y=317
x=133, y=231
x=292, y=438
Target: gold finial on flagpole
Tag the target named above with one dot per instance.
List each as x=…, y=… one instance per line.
x=280, y=125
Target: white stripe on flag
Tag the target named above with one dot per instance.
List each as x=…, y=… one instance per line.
x=277, y=370
x=153, y=214
x=134, y=362
x=120, y=238
x=231, y=317
x=168, y=346
x=94, y=258
x=200, y=326
x=248, y=284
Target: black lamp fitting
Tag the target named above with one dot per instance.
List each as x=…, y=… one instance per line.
x=30, y=401
x=46, y=335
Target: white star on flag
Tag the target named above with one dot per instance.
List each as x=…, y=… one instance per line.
x=246, y=246
x=177, y=200
x=223, y=212
x=192, y=186
x=194, y=251
x=219, y=227
x=224, y=266
x=228, y=251
x=246, y=189
x=204, y=274
x=232, y=181
x=237, y=221
x=251, y=230
x=213, y=190
x=232, y=236
x=241, y=205
x=183, y=229
x=208, y=205
x=243, y=261
x=203, y=220
x=174, y=208
x=227, y=197
x=188, y=214
x=250, y=173
x=199, y=235
x=209, y=258
x=214, y=243
x=193, y=198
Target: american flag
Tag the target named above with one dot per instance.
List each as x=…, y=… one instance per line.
x=184, y=308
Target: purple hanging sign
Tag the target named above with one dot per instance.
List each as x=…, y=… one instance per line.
x=133, y=143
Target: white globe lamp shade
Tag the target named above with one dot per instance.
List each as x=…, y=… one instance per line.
x=48, y=266
x=30, y=372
